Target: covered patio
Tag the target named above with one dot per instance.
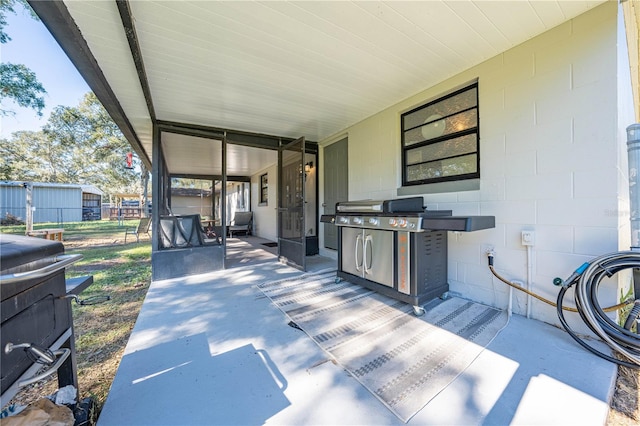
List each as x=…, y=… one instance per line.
x=212, y=91
x=306, y=101
x=212, y=349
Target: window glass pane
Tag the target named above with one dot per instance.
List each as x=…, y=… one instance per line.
x=459, y=102
x=443, y=168
x=440, y=140
x=264, y=189
x=437, y=126
x=449, y=148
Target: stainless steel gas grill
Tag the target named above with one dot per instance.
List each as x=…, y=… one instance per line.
x=36, y=319
x=397, y=247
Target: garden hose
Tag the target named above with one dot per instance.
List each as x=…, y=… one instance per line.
x=633, y=316
x=587, y=279
x=542, y=299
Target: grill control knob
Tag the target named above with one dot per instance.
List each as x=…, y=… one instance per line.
x=344, y=219
x=402, y=223
x=357, y=220
x=393, y=222
x=373, y=221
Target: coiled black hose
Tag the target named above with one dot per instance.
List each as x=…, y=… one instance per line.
x=587, y=279
x=633, y=315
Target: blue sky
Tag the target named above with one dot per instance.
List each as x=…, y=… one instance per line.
x=32, y=45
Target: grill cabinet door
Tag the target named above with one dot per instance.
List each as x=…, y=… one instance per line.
x=378, y=256
x=352, y=251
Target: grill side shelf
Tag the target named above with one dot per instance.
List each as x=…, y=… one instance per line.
x=79, y=284
x=458, y=223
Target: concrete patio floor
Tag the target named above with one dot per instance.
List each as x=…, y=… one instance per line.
x=211, y=349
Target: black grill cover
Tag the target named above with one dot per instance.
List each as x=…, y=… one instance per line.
x=32, y=310
x=18, y=252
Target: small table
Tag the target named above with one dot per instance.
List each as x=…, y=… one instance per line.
x=210, y=222
x=54, y=234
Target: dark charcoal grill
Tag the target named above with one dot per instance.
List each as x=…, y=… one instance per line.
x=36, y=322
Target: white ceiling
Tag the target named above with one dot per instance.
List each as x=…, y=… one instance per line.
x=293, y=69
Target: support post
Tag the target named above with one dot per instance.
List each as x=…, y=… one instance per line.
x=28, y=186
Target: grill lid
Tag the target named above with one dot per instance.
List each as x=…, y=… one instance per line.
x=19, y=254
x=17, y=250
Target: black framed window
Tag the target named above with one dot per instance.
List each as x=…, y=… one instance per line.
x=264, y=189
x=441, y=139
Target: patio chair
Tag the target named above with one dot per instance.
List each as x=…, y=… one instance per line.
x=142, y=228
x=184, y=231
x=242, y=222
x=180, y=231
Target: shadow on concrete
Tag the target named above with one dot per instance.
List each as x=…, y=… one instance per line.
x=249, y=250
x=180, y=382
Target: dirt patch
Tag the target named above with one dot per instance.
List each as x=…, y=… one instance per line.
x=105, y=264
x=77, y=241
x=624, y=409
x=99, y=266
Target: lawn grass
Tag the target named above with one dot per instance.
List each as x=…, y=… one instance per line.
x=92, y=228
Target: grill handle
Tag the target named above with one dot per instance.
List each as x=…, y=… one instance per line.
x=61, y=262
x=42, y=357
x=62, y=355
x=360, y=208
x=368, y=244
x=358, y=245
x=92, y=300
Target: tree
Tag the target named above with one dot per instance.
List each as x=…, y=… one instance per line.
x=94, y=148
x=77, y=145
x=17, y=82
x=21, y=158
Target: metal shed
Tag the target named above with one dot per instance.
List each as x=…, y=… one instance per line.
x=51, y=202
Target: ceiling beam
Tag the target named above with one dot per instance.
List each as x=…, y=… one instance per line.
x=56, y=17
x=234, y=137
x=211, y=177
x=136, y=53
